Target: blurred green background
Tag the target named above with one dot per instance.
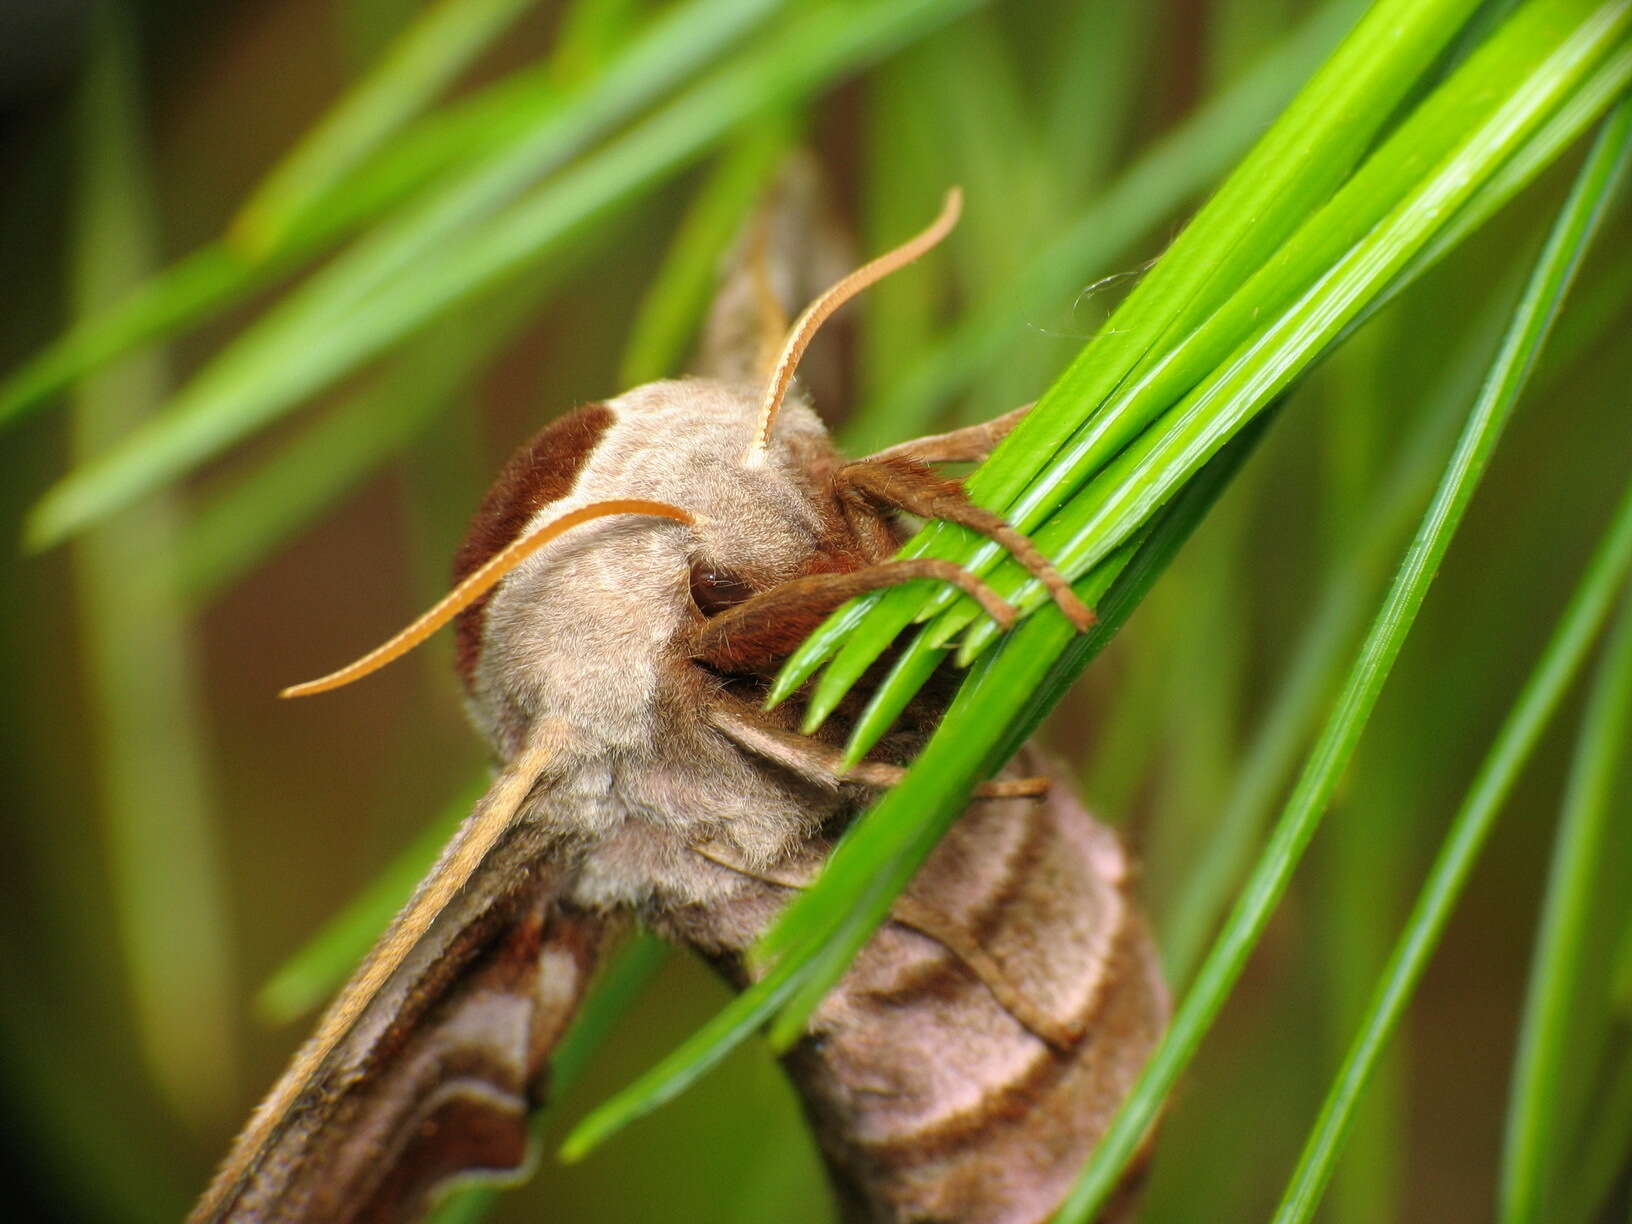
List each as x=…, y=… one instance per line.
x=175, y=833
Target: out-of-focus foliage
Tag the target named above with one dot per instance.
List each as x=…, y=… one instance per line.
x=387, y=240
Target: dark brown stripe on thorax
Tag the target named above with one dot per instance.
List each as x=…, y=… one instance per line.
x=542, y=471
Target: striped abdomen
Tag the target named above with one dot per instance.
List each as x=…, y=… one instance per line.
x=964, y=1068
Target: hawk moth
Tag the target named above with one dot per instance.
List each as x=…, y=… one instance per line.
x=625, y=592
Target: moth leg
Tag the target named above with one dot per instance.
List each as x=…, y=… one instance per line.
x=824, y=765
x=968, y=445
x=929, y=920
x=906, y=484
x=764, y=628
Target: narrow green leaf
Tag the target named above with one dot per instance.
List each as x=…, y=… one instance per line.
x=1540, y=1124
x=153, y=309
x=689, y=1061
x=1104, y=55
x=423, y=59
x=490, y=145
x=1603, y=1150
x=287, y=362
x=1314, y=663
x=239, y=525
x=1333, y=750
x=906, y=174
x=996, y=709
x=1557, y=1061
x=1138, y=478
x=1294, y=167
x=1560, y=662
x=590, y=32
x=141, y=675
x=1464, y=135
x=1173, y=169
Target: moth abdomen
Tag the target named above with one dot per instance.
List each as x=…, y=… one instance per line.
x=971, y=1058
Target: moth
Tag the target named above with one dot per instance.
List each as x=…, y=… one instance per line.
x=626, y=591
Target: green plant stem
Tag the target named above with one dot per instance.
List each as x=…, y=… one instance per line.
x=1537, y=1126
x=1534, y=69
x=1314, y=662
x=1560, y=662
x=1308, y=801
x=1540, y=1127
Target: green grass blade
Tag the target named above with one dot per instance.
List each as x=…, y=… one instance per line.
x=666, y=322
x=1314, y=662
x=493, y=143
x=141, y=673
x=817, y=648
x=156, y=308
x=1535, y=706
x=1540, y=1123
x=1541, y=1126
x=1294, y=168
x=590, y=32
x=1330, y=128
x=237, y=527
x=687, y=1063
x=440, y=43
x=906, y=172
x=1603, y=1150
x=557, y=125
x=1539, y=74
x=1175, y=168
x=267, y=378
x=1560, y=662
x=1104, y=52
x=1544, y=691
x=1333, y=750
x=1503, y=103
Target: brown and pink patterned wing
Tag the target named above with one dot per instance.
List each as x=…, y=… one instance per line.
x=435, y=1077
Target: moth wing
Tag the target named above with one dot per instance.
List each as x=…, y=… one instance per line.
x=429, y=1061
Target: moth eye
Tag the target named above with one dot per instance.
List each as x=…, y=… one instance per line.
x=713, y=590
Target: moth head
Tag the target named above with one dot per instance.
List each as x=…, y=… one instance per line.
x=624, y=521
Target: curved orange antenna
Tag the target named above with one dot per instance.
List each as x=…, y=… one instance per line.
x=479, y=583
x=806, y=325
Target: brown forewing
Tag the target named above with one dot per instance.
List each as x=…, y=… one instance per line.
x=436, y=1076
